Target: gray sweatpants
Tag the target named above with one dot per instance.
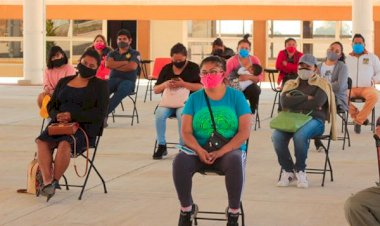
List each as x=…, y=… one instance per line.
x=363, y=208
x=231, y=164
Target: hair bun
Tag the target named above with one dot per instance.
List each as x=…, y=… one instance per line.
x=246, y=36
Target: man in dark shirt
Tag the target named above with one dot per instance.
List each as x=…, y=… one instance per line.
x=123, y=62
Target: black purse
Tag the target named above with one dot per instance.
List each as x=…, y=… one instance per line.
x=216, y=140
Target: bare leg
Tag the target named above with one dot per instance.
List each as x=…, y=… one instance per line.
x=45, y=160
x=62, y=159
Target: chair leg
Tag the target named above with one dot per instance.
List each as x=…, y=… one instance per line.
x=373, y=120
x=274, y=103
x=42, y=126
x=242, y=214
x=146, y=90
x=150, y=90
x=66, y=184
x=257, y=120
x=122, y=106
x=155, y=147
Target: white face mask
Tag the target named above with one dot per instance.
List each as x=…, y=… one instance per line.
x=305, y=74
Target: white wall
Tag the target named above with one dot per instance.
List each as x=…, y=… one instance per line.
x=164, y=34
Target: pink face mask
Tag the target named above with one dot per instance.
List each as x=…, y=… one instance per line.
x=100, y=46
x=211, y=81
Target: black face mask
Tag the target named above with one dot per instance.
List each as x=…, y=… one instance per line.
x=58, y=62
x=86, y=72
x=179, y=64
x=218, y=52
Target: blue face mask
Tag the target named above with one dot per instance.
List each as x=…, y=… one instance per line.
x=358, y=48
x=243, y=53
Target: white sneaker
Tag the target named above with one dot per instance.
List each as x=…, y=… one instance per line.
x=302, y=179
x=286, y=179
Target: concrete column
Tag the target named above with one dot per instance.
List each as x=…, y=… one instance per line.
x=362, y=20
x=34, y=41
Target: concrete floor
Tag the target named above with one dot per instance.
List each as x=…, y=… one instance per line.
x=141, y=190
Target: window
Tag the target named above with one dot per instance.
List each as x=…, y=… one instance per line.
x=284, y=28
x=201, y=29
x=11, y=49
x=236, y=28
x=87, y=28
x=324, y=28
x=57, y=28
x=11, y=28
x=346, y=29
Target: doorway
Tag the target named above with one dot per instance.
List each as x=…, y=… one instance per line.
x=113, y=26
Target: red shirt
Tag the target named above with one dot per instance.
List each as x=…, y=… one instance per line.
x=291, y=67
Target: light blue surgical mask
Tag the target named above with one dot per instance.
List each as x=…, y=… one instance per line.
x=358, y=48
x=244, y=53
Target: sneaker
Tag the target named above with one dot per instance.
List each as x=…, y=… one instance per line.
x=357, y=128
x=186, y=218
x=302, y=179
x=161, y=151
x=286, y=179
x=232, y=219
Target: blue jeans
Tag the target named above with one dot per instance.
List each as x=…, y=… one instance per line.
x=301, y=138
x=120, y=89
x=162, y=113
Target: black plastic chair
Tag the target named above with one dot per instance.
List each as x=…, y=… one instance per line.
x=327, y=164
x=149, y=87
x=133, y=98
x=344, y=117
x=273, y=84
x=211, y=171
x=92, y=166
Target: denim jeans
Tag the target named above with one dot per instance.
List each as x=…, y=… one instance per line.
x=120, y=89
x=301, y=138
x=162, y=113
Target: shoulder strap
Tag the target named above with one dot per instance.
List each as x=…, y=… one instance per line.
x=210, y=110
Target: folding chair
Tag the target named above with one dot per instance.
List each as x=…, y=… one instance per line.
x=327, y=165
x=344, y=117
x=159, y=63
x=361, y=100
x=133, y=98
x=92, y=166
x=273, y=84
x=211, y=171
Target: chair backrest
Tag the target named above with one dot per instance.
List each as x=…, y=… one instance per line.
x=159, y=63
x=273, y=83
x=144, y=69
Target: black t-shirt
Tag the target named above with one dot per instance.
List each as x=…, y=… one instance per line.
x=189, y=74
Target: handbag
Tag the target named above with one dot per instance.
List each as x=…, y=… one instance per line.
x=34, y=178
x=216, y=140
x=289, y=121
x=55, y=129
x=174, y=98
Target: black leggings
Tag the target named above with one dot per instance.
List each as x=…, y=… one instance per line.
x=252, y=93
x=231, y=164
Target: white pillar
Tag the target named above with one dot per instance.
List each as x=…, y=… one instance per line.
x=34, y=41
x=362, y=21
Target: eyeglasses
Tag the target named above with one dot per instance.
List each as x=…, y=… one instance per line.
x=204, y=73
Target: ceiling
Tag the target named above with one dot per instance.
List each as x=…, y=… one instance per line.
x=195, y=2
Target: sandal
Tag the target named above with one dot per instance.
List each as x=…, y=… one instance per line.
x=48, y=190
x=55, y=184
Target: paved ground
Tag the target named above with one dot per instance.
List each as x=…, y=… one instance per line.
x=141, y=190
